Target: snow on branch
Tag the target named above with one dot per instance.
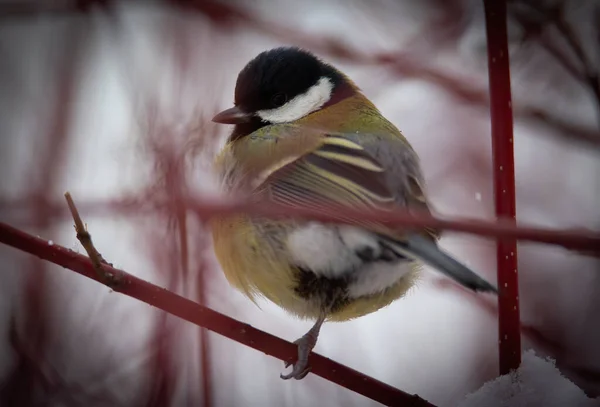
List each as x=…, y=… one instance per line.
x=537, y=382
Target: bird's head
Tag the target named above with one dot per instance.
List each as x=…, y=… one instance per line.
x=282, y=85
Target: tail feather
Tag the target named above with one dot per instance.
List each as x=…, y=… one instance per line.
x=427, y=251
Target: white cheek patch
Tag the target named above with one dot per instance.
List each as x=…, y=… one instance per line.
x=301, y=105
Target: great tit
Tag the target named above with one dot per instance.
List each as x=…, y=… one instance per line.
x=306, y=136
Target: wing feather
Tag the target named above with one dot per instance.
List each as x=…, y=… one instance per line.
x=339, y=172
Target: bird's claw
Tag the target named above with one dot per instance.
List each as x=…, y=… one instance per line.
x=299, y=371
x=301, y=367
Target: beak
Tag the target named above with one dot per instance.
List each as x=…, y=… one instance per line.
x=232, y=116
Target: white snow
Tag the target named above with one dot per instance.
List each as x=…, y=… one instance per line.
x=537, y=382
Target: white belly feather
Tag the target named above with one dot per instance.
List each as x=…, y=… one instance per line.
x=331, y=251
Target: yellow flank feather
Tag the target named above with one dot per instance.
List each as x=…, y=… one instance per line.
x=249, y=264
x=252, y=266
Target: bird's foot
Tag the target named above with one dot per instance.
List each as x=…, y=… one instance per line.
x=301, y=367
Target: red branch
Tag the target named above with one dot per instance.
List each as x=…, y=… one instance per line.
x=209, y=319
x=583, y=240
x=504, y=183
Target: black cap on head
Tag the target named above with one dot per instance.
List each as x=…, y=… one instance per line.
x=273, y=77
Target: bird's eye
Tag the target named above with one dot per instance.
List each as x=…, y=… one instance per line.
x=278, y=99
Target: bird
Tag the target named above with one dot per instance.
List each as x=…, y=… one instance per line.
x=305, y=135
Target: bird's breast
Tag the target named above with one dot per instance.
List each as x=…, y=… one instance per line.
x=311, y=267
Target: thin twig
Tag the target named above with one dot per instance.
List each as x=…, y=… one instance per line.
x=84, y=237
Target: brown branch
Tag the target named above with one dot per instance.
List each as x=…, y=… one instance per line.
x=209, y=319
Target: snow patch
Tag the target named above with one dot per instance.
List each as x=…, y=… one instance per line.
x=537, y=382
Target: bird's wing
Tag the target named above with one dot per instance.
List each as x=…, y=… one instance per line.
x=340, y=172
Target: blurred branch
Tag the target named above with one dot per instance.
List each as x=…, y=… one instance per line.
x=169, y=179
x=212, y=320
x=590, y=73
x=536, y=17
x=399, y=63
x=582, y=240
x=10, y=10
x=28, y=379
x=162, y=375
x=163, y=371
x=56, y=388
x=226, y=15
x=448, y=24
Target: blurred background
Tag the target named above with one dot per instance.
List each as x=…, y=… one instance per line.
x=113, y=100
